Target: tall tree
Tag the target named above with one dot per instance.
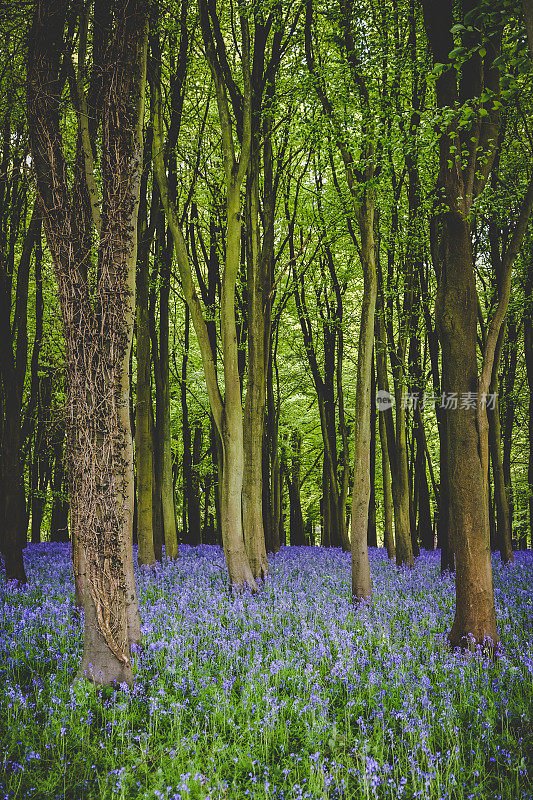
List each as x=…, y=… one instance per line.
x=359, y=177
x=97, y=297
x=227, y=410
x=466, y=156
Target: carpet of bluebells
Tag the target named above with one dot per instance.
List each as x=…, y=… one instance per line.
x=290, y=694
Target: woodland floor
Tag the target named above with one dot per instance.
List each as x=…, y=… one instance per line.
x=289, y=694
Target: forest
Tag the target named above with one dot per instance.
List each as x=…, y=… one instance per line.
x=266, y=399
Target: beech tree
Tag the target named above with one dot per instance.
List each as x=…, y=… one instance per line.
x=466, y=157
x=90, y=222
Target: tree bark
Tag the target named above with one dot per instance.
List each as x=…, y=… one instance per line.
x=98, y=329
x=372, y=535
x=227, y=413
x=254, y=408
x=296, y=530
x=528, y=357
x=361, y=584
x=388, y=530
x=193, y=501
x=144, y=453
x=59, y=531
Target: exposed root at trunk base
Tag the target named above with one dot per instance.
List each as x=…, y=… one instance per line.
x=244, y=586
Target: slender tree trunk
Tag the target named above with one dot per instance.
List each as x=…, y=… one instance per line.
x=528, y=356
x=296, y=530
x=186, y=434
x=144, y=454
x=372, y=535
x=13, y=365
x=59, y=531
x=167, y=485
x=361, y=585
x=425, y=525
x=388, y=531
x=509, y=410
x=14, y=531
x=157, y=508
x=193, y=501
x=503, y=518
x=254, y=409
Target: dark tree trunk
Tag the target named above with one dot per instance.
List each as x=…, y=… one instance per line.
x=158, y=529
x=425, y=523
x=186, y=434
x=41, y=466
x=372, y=535
x=59, y=531
x=528, y=355
x=297, y=532
x=508, y=403
x=193, y=500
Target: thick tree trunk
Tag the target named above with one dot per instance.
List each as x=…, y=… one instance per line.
x=456, y=310
x=99, y=328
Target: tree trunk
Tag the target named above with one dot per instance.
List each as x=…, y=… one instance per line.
x=14, y=525
x=167, y=485
x=361, y=585
x=59, y=521
x=388, y=531
x=528, y=356
x=254, y=409
x=503, y=518
x=193, y=500
x=144, y=454
x=425, y=525
x=509, y=409
x=456, y=311
x=186, y=435
x=372, y=535
x=157, y=508
x=13, y=365
x=98, y=329
x=296, y=530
